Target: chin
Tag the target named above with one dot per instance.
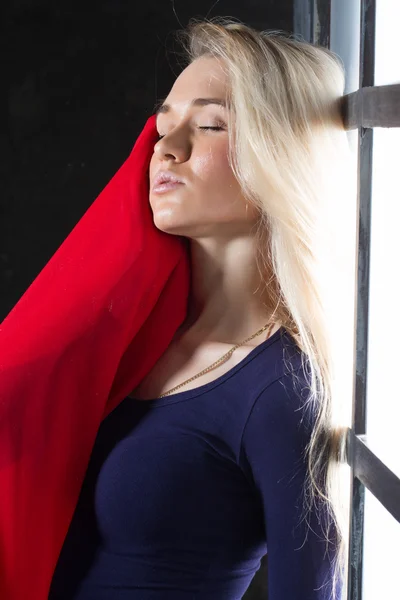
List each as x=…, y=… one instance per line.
x=165, y=221
x=172, y=221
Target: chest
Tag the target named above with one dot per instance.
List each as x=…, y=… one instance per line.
x=172, y=474
x=181, y=362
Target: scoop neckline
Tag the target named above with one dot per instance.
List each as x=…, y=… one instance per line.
x=206, y=387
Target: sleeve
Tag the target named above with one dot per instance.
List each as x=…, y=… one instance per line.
x=273, y=459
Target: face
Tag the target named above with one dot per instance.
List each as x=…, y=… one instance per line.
x=193, y=145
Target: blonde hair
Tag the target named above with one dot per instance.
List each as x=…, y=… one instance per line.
x=288, y=150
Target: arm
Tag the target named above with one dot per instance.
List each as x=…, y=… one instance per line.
x=272, y=457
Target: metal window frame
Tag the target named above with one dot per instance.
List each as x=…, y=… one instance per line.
x=374, y=106
x=368, y=107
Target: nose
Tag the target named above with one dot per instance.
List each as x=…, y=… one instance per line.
x=174, y=146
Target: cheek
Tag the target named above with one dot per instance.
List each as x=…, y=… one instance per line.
x=216, y=185
x=152, y=167
x=211, y=166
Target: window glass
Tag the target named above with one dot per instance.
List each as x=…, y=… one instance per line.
x=383, y=398
x=381, y=530
x=381, y=551
x=387, y=42
x=383, y=395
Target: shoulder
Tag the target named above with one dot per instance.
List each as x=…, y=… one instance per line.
x=284, y=402
x=278, y=426
x=281, y=397
x=275, y=359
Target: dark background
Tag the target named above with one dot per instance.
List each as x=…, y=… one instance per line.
x=79, y=79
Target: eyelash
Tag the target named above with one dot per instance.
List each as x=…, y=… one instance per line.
x=217, y=128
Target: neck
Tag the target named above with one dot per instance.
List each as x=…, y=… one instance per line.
x=227, y=301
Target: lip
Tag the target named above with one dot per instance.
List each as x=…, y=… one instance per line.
x=164, y=178
x=166, y=186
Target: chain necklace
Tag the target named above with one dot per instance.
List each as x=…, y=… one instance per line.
x=221, y=360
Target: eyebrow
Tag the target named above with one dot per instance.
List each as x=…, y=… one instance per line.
x=162, y=108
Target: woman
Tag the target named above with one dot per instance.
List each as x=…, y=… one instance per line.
x=215, y=435
x=228, y=448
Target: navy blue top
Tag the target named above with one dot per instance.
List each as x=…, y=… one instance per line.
x=185, y=494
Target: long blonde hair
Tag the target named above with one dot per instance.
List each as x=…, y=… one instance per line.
x=288, y=150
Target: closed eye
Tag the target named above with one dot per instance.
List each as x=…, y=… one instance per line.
x=217, y=128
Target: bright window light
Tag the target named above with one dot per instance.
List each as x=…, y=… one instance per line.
x=381, y=531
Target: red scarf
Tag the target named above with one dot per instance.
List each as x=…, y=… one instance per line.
x=80, y=339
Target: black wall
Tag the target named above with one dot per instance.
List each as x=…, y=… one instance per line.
x=79, y=79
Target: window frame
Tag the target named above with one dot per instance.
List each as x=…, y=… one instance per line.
x=368, y=107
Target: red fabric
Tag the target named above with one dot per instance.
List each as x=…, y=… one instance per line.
x=83, y=335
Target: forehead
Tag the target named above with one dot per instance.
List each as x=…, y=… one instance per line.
x=205, y=76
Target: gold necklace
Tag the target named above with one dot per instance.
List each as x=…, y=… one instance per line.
x=221, y=360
